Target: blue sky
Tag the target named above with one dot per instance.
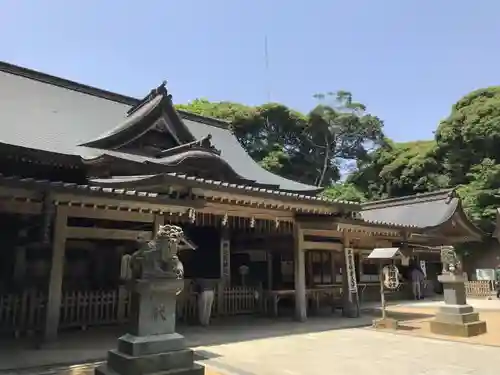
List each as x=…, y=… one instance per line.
x=408, y=61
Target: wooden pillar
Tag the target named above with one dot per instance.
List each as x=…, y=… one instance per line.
x=349, y=283
x=56, y=275
x=20, y=264
x=299, y=275
x=269, y=259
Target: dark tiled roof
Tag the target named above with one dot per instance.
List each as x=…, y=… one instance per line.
x=418, y=211
x=64, y=114
x=21, y=182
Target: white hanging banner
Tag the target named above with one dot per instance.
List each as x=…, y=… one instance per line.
x=351, y=270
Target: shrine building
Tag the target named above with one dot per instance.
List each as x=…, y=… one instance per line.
x=84, y=172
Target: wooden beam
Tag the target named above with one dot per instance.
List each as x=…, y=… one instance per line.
x=56, y=275
x=11, y=192
x=318, y=224
x=311, y=245
x=242, y=211
x=295, y=204
x=20, y=207
x=170, y=205
x=322, y=233
x=109, y=214
x=250, y=209
x=358, y=228
x=106, y=234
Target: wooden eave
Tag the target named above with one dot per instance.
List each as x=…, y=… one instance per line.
x=237, y=194
x=39, y=157
x=336, y=226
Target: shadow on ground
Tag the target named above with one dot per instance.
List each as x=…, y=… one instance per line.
x=401, y=316
x=92, y=345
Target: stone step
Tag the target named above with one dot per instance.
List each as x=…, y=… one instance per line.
x=148, y=364
x=193, y=370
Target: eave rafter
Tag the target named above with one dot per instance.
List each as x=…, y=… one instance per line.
x=336, y=227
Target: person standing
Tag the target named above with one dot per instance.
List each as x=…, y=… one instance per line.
x=417, y=277
x=206, y=292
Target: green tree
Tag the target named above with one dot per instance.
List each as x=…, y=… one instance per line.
x=344, y=191
x=470, y=134
x=337, y=131
x=310, y=148
x=481, y=196
x=399, y=169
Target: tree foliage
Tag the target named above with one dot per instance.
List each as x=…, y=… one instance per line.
x=308, y=148
x=399, y=169
x=470, y=134
x=338, y=133
x=464, y=153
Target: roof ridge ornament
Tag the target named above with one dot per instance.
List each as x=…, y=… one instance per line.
x=160, y=90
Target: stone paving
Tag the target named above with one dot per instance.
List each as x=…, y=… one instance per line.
x=355, y=351
x=344, y=351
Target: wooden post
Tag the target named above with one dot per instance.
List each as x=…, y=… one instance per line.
x=269, y=258
x=56, y=275
x=382, y=291
x=20, y=264
x=299, y=275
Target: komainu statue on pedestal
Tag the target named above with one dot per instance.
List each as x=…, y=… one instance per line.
x=450, y=260
x=159, y=258
x=151, y=346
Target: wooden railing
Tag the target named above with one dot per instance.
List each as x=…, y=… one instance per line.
x=91, y=308
x=481, y=288
x=25, y=312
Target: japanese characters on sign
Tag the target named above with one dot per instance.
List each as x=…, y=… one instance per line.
x=351, y=270
x=225, y=256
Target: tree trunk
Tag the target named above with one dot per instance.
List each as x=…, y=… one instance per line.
x=326, y=160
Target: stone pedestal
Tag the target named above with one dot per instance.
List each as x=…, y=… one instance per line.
x=152, y=345
x=456, y=318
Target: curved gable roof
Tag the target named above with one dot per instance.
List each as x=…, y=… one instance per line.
x=424, y=211
x=48, y=113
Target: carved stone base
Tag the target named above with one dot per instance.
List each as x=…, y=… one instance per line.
x=459, y=321
x=158, y=354
x=152, y=346
x=387, y=323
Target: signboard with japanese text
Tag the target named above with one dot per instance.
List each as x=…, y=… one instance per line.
x=351, y=270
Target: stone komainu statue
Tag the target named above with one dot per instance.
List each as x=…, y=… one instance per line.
x=158, y=258
x=450, y=260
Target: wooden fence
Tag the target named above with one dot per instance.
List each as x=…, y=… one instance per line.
x=25, y=312
x=481, y=288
